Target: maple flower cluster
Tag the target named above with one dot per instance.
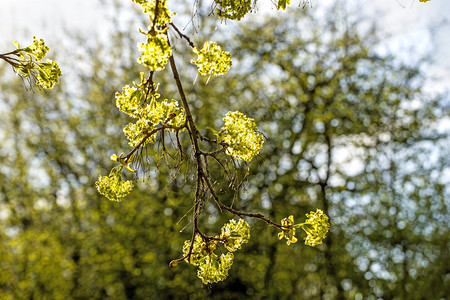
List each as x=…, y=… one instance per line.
x=316, y=228
x=211, y=266
x=288, y=230
x=233, y=9
x=239, y=132
x=164, y=16
x=165, y=112
x=113, y=186
x=282, y=4
x=46, y=73
x=132, y=101
x=212, y=60
x=156, y=52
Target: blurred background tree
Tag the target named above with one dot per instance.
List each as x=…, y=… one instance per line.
x=350, y=131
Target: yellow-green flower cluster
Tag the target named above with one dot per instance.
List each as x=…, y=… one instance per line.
x=316, y=227
x=164, y=16
x=129, y=101
x=164, y=112
x=200, y=250
x=46, y=73
x=212, y=267
x=215, y=268
x=132, y=102
x=135, y=132
x=282, y=4
x=424, y=1
x=113, y=186
x=288, y=230
x=233, y=9
x=234, y=234
x=38, y=49
x=240, y=133
x=212, y=60
x=156, y=52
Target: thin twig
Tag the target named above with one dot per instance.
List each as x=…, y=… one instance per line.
x=183, y=35
x=148, y=135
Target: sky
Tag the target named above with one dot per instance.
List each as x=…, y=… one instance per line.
x=44, y=18
x=423, y=28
